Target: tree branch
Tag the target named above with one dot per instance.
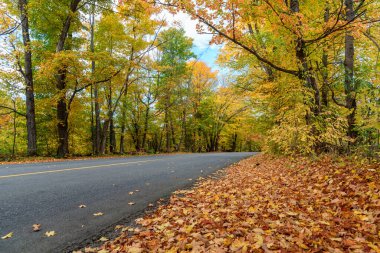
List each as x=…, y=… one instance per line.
x=235, y=41
x=13, y=110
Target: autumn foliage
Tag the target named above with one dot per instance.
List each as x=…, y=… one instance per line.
x=267, y=204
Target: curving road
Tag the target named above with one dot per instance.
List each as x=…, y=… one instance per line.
x=50, y=194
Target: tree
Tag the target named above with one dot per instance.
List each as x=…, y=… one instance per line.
x=175, y=50
x=28, y=76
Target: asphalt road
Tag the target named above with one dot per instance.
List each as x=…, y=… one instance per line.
x=50, y=194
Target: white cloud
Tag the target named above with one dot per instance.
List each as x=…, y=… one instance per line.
x=201, y=41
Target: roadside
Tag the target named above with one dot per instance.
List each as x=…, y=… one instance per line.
x=266, y=204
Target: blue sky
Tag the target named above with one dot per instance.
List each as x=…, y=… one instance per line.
x=202, y=48
x=208, y=55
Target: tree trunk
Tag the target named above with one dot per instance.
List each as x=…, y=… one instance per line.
x=122, y=133
x=234, y=142
x=146, y=124
x=62, y=116
x=98, y=130
x=112, y=136
x=62, y=112
x=14, y=129
x=167, y=130
x=28, y=76
x=94, y=125
x=306, y=70
x=349, y=85
x=325, y=75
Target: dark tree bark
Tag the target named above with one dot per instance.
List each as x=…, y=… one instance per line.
x=28, y=77
x=14, y=129
x=349, y=84
x=62, y=112
x=167, y=128
x=123, y=122
x=146, y=124
x=325, y=73
x=95, y=111
x=112, y=136
x=105, y=133
x=98, y=129
x=306, y=72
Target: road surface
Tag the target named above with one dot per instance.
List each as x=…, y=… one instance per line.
x=50, y=194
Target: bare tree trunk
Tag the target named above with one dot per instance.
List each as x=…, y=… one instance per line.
x=349, y=84
x=28, y=77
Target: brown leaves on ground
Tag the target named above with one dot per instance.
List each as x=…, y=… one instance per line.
x=266, y=204
x=36, y=227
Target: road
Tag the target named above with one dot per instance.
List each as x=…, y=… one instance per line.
x=50, y=194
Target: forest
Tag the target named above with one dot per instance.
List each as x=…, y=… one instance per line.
x=96, y=77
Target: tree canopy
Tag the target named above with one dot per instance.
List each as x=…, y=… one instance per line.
x=96, y=77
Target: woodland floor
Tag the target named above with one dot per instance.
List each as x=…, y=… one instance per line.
x=266, y=204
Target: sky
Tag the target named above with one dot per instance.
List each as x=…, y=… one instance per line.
x=202, y=48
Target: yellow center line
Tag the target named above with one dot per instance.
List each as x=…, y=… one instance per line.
x=73, y=169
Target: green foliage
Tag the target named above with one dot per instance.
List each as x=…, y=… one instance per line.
x=137, y=87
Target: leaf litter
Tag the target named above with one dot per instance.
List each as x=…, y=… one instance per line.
x=267, y=204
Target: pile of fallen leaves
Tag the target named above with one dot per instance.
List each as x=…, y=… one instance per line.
x=266, y=204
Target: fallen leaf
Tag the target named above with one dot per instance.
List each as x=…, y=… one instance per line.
x=90, y=250
x=7, y=236
x=82, y=206
x=50, y=233
x=103, y=239
x=134, y=250
x=36, y=227
x=265, y=204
